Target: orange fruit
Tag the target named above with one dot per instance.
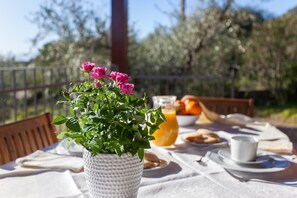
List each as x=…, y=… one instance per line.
x=180, y=107
x=193, y=107
x=189, y=97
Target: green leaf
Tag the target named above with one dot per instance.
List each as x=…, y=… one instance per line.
x=72, y=112
x=141, y=153
x=59, y=120
x=66, y=95
x=73, y=125
x=152, y=118
x=61, y=135
x=96, y=106
x=62, y=102
x=118, y=150
x=138, y=136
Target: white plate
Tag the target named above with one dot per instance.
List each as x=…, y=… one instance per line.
x=226, y=153
x=164, y=162
x=222, y=142
x=73, y=149
x=274, y=165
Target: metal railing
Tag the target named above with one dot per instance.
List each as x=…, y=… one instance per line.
x=28, y=91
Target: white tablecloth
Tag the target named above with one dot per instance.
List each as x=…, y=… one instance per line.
x=183, y=177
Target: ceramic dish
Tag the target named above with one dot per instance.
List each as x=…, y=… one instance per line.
x=226, y=154
x=186, y=120
x=266, y=167
x=163, y=163
x=222, y=142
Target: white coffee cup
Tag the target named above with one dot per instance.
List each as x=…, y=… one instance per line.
x=244, y=148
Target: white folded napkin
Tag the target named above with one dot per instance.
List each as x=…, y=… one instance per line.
x=41, y=161
x=271, y=139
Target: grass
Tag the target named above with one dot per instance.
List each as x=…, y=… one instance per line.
x=286, y=114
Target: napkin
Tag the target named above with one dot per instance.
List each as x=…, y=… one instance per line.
x=41, y=161
x=281, y=146
x=270, y=138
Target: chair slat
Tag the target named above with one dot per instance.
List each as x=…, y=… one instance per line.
x=4, y=152
x=31, y=142
x=49, y=133
x=42, y=134
x=37, y=138
x=11, y=148
x=18, y=145
x=24, y=139
x=26, y=136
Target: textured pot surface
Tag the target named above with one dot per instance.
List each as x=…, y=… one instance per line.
x=109, y=175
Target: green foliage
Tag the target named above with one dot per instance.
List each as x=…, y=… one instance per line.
x=80, y=33
x=104, y=120
x=204, y=43
x=285, y=114
x=271, y=59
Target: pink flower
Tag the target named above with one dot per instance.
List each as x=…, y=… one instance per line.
x=99, y=72
x=97, y=83
x=113, y=75
x=126, y=88
x=119, y=77
x=88, y=66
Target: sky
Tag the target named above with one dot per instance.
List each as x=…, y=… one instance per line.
x=145, y=15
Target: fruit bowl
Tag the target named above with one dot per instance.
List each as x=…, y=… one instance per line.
x=186, y=120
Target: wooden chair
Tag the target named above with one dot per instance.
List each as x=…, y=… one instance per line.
x=23, y=137
x=229, y=105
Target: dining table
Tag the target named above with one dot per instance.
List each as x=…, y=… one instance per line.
x=190, y=170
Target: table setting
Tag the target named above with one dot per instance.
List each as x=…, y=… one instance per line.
x=272, y=162
x=189, y=167
x=142, y=152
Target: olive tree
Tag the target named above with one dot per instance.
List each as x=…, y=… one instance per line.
x=80, y=33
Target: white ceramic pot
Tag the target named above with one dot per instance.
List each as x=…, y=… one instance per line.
x=109, y=175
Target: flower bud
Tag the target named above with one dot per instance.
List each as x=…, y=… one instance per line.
x=127, y=88
x=87, y=66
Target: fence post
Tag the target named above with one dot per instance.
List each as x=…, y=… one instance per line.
x=233, y=71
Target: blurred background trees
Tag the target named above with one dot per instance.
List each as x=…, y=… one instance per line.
x=81, y=33
x=271, y=57
x=207, y=41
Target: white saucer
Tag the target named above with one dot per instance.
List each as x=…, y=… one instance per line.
x=222, y=142
x=226, y=154
x=164, y=162
x=270, y=166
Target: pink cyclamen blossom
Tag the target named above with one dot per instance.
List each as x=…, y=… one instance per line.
x=99, y=72
x=97, y=83
x=113, y=75
x=126, y=88
x=88, y=66
x=119, y=77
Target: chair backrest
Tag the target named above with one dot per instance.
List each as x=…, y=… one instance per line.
x=23, y=137
x=229, y=105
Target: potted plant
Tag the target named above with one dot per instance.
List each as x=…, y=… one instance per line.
x=114, y=126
